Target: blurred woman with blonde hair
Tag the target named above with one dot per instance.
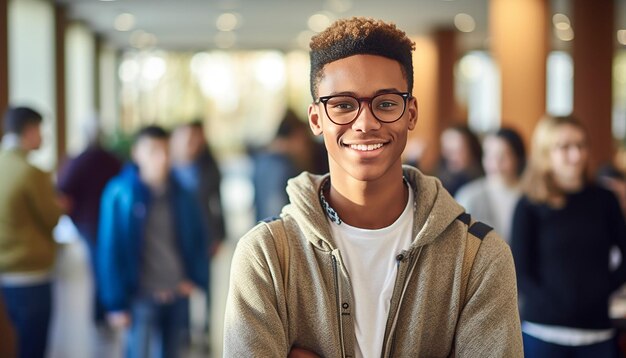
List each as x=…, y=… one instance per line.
x=563, y=229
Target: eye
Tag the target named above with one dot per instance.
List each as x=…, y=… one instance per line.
x=342, y=104
x=387, y=105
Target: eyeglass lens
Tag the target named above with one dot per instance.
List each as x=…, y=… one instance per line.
x=387, y=107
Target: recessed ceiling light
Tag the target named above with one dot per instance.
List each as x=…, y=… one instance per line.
x=124, y=22
x=227, y=21
x=319, y=22
x=464, y=22
x=621, y=36
x=225, y=39
x=564, y=34
x=561, y=21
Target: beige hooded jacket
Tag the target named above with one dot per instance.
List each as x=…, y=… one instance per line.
x=266, y=316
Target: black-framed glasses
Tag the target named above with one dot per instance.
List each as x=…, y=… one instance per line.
x=386, y=107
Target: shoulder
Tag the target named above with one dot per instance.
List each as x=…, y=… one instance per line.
x=494, y=255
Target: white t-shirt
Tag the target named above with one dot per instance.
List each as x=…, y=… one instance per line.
x=370, y=259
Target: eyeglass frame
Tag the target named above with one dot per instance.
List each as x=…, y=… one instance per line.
x=324, y=100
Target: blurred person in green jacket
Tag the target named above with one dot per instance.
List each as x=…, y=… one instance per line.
x=29, y=210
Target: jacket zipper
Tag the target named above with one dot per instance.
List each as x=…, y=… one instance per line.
x=392, y=331
x=338, y=305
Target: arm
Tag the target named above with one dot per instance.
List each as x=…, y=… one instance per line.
x=617, y=229
x=111, y=268
x=255, y=317
x=44, y=201
x=489, y=323
x=523, y=244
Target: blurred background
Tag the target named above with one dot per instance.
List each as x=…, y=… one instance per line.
x=239, y=65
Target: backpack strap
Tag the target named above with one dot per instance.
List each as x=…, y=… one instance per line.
x=276, y=227
x=476, y=232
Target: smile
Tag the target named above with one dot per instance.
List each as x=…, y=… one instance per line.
x=366, y=147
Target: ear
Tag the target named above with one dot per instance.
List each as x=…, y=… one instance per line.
x=315, y=121
x=412, y=110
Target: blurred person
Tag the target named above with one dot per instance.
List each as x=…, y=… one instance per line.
x=82, y=181
x=152, y=249
x=368, y=260
x=563, y=229
x=29, y=210
x=287, y=155
x=461, y=155
x=195, y=167
x=492, y=198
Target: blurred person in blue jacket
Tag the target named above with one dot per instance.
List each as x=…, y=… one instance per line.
x=290, y=152
x=152, y=249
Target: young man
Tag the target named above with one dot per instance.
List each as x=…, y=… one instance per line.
x=29, y=210
x=152, y=249
x=369, y=260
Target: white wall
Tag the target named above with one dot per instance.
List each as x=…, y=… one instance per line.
x=80, y=78
x=31, y=68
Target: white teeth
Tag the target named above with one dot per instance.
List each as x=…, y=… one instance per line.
x=365, y=148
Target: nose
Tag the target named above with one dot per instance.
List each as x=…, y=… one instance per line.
x=575, y=153
x=365, y=120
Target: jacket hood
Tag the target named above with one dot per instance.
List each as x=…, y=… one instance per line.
x=435, y=209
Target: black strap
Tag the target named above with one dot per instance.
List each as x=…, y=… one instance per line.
x=465, y=218
x=480, y=230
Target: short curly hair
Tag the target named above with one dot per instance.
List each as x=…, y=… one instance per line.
x=360, y=36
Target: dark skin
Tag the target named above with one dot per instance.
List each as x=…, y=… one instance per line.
x=364, y=155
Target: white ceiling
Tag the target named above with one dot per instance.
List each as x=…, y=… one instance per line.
x=265, y=24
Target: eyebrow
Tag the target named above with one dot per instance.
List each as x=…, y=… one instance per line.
x=354, y=94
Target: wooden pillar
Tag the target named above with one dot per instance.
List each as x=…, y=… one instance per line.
x=7, y=335
x=59, y=41
x=593, y=24
x=519, y=40
x=447, y=55
x=4, y=57
x=424, y=137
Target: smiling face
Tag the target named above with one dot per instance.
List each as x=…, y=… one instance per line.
x=364, y=149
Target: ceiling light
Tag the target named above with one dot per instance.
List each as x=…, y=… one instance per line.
x=124, y=22
x=141, y=39
x=621, y=36
x=227, y=21
x=564, y=34
x=561, y=21
x=319, y=22
x=225, y=39
x=464, y=22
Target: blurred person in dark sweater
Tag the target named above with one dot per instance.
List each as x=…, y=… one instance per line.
x=82, y=180
x=564, y=227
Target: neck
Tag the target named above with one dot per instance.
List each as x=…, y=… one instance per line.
x=569, y=185
x=156, y=186
x=368, y=204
